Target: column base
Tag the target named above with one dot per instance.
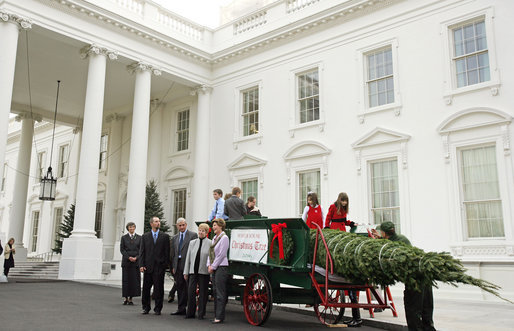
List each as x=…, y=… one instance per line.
x=81, y=259
x=116, y=256
x=108, y=251
x=21, y=254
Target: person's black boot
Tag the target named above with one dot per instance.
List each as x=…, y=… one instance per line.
x=355, y=323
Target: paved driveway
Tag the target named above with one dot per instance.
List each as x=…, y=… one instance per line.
x=77, y=306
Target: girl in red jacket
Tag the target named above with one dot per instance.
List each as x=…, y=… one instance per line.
x=313, y=212
x=338, y=212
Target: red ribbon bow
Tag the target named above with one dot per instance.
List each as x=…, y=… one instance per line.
x=277, y=230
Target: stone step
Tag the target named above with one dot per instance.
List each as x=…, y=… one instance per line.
x=37, y=270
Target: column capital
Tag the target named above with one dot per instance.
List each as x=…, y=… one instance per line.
x=89, y=50
x=22, y=22
x=202, y=89
x=142, y=66
x=114, y=117
x=35, y=117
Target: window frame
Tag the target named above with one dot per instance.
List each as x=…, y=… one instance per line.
x=172, y=138
x=173, y=207
x=297, y=188
x=370, y=189
x=248, y=114
x=245, y=196
x=364, y=108
x=178, y=131
x=458, y=148
x=34, y=231
x=294, y=122
x=67, y=163
x=238, y=133
x=102, y=166
x=450, y=79
x=55, y=225
x=99, y=232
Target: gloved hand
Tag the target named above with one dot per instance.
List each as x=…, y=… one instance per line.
x=352, y=224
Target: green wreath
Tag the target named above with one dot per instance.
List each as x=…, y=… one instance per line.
x=288, y=245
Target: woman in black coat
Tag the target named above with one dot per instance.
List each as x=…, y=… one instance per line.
x=9, y=252
x=131, y=277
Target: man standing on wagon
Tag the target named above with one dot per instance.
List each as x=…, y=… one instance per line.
x=235, y=208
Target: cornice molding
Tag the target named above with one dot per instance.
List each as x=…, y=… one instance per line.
x=245, y=48
x=22, y=22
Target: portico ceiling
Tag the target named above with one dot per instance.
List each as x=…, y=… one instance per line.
x=55, y=57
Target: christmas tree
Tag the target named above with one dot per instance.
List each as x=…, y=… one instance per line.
x=153, y=207
x=64, y=230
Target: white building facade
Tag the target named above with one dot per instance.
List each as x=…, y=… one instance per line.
x=404, y=105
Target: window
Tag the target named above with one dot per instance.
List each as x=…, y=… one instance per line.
x=308, y=96
x=470, y=53
x=98, y=218
x=380, y=82
x=4, y=178
x=385, y=199
x=63, y=161
x=57, y=223
x=104, y=140
x=40, y=166
x=35, y=228
x=179, y=205
x=249, y=188
x=309, y=181
x=183, y=130
x=250, y=111
x=481, y=192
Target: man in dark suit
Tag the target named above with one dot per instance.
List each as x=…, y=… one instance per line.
x=235, y=208
x=179, y=246
x=153, y=261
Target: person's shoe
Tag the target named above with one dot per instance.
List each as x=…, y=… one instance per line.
x=171, y=298
x=346, y=319
x=125, y=302
x=130, y=303
x=200, y=317
x=157, y=313
x=215, y=321
x=178, y=312
x=354, y=323
x=378, y=310
x=187, y=317
x=145, y=312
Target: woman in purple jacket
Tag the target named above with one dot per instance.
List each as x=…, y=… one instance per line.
x=217, y=263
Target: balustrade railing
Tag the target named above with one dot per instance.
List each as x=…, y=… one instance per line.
x=43, y=257
x=295, y=5
x=182, y=26
x=135, y=6
x=250, y=22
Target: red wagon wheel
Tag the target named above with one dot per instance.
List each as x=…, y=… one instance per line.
x=326, y=314
x=257, y=300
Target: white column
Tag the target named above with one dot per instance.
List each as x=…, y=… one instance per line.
x=154, y=143
x=136, y=185
x=9, y=30
x=201, y=194
x=21, y=183
x=112, y=191
x=82, y=252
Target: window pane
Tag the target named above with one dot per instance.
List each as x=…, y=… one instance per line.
x=249, y=188
x=179, y=207
x=182, y=130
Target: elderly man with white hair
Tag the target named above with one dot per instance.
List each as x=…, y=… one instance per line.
x=179, y=246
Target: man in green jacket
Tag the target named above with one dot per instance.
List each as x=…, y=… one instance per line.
x=419, y=306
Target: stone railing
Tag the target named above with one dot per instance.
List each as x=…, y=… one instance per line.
x=250, y=22
x=176, y=23
x=295, y=5
x=135, y=6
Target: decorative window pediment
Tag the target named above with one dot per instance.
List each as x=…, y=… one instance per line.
x=380, y=136
x=306, y=149
x=178, y=173
x=245, y=161
x=473, y=118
